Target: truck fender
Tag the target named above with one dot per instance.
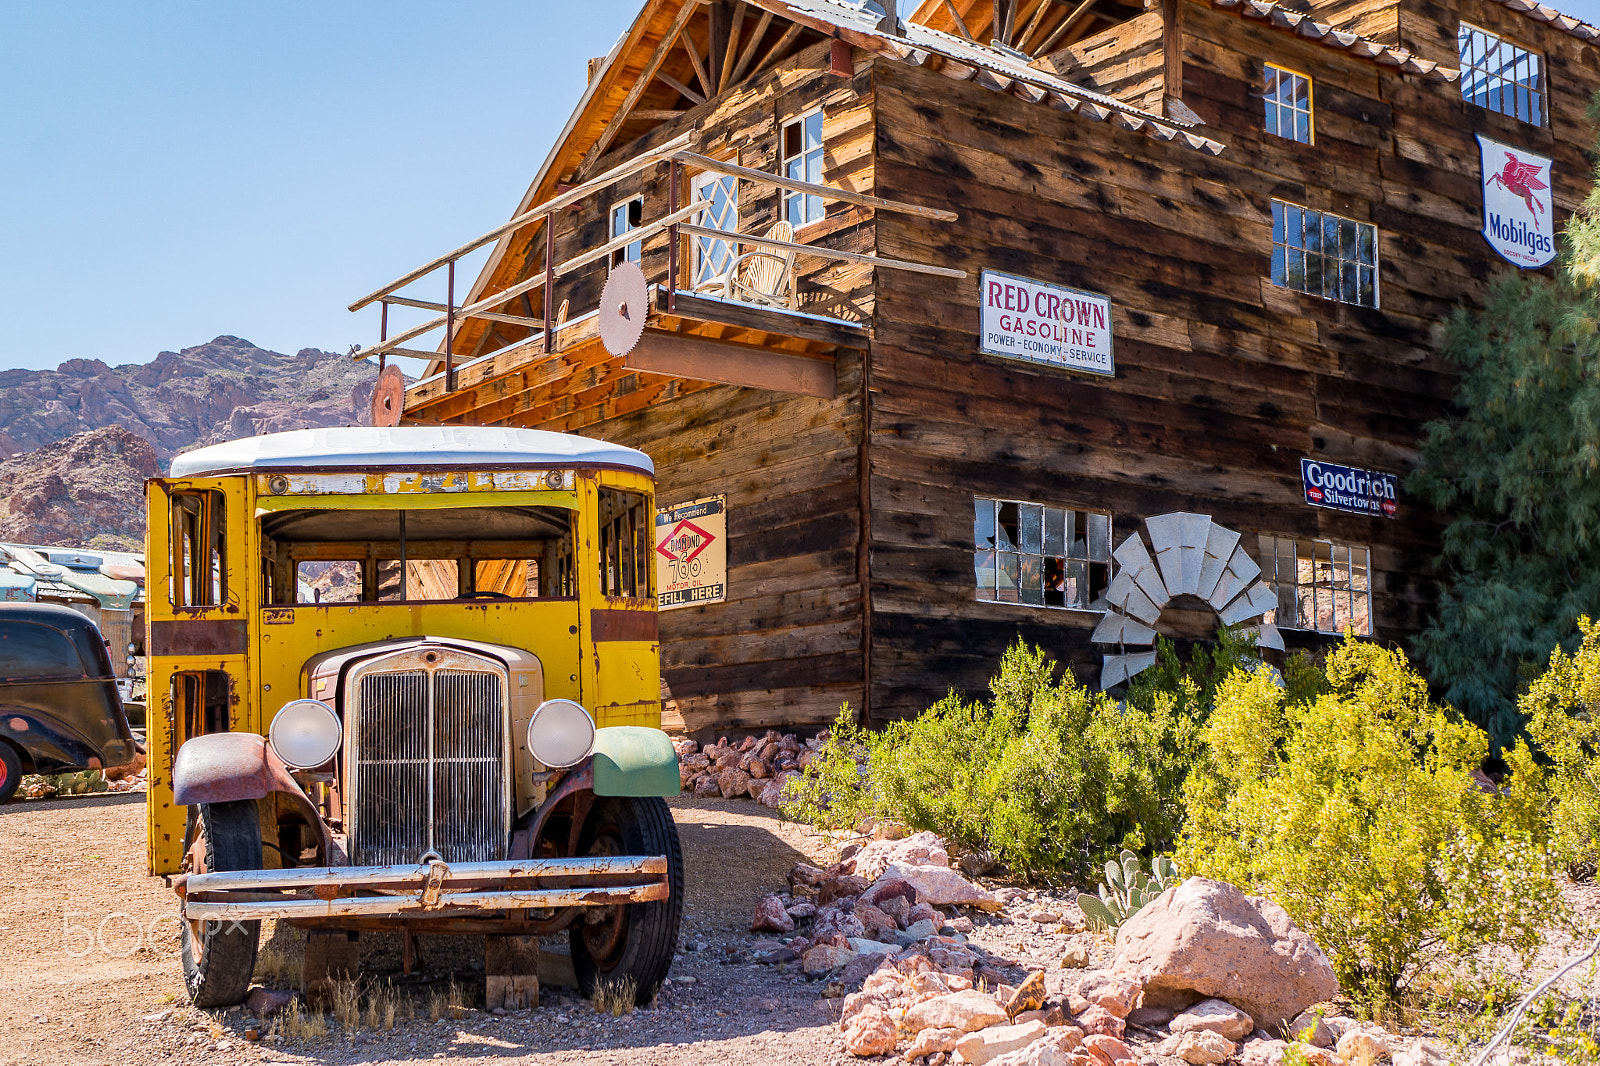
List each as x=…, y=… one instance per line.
x=634, y=760
x=222, y=767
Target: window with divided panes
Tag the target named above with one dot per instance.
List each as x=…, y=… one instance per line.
x=1288, y=104
x=1499, y=76
x=625, y=544
x=802, y=160
x=1043, y=556
x=1321, y=585
x=1324, y=255
x=626, y=216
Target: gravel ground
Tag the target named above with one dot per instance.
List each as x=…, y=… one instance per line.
x=90, y=971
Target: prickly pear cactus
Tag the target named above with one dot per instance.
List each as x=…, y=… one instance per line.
x=1126, y=890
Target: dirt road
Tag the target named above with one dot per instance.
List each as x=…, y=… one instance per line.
x=90, y=972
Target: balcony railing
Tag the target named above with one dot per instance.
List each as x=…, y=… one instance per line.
x=756, y=277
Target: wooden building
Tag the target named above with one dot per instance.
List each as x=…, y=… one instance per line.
x=1059, y=283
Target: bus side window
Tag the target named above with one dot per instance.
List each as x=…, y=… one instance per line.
x=200, y=702
x=624, y=544
x=199, y=540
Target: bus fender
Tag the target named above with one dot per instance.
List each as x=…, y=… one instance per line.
x=633, y=760
x=223, y=767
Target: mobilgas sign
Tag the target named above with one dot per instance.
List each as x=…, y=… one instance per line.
x=1045, y=323
x=1344, y=488
x=1516, y=204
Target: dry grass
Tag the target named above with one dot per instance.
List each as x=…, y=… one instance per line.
x=298, y=1024
x=345, y=998
x=275, y=968
x=615, y=998
x=383, y=1003
x=447, y=1001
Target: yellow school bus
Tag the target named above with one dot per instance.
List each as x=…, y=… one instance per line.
x=408, y=678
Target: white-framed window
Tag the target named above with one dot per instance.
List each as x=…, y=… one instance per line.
x=1324, y=255
x=625, y=216
x=1043, y=556
x=802, y=160
x=1321, y=586
x=719, y=193
x=1288, y=103
x=1497, y=75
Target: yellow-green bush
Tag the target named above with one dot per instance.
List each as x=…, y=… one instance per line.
x=1050, y=778
x=1355, y=811
x=1563, y=712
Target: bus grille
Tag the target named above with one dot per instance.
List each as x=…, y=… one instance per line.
x=428, y=767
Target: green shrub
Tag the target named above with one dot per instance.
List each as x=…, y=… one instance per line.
x=1050, y=778
x=1355, y=811
x=1563, y=712
x=1192, y=685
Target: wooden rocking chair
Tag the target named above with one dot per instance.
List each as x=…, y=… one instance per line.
x=765, y=276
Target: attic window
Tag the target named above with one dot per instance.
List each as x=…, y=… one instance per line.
x=802, y=160
x=1499, y=76
x=1288, y=104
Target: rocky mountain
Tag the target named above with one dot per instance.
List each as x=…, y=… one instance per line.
x=84, y=491
x=77, y=442
x=213, y=392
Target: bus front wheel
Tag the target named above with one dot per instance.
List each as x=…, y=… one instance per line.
x=629, y=944
x=219, y=955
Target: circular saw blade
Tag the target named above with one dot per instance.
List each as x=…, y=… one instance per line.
x=623, y=304
x=389, y=398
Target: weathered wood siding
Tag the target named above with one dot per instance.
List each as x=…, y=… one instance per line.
x=786, y=647
x=1224, y=381
x=1123, y=61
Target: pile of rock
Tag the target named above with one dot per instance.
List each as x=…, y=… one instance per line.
x=757, y=767
x=1212, y=974
x=879, y=904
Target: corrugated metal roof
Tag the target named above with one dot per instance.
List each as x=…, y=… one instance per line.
x=1543, y=13
x=1357, y=45
x=992, y=68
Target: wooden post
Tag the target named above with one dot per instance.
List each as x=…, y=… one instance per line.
x=674, y=180
x=549, y=277
x=1171, y=50
x=450, y=330
x=511, y=972
x=842, y=62
x=331, y=957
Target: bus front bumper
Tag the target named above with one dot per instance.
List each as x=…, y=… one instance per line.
x=429, y=889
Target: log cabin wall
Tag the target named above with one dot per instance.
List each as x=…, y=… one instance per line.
x=786, y=646
x=1123, y=61
x=1223, y=379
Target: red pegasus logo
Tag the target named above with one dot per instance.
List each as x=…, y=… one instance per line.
x=1521, y=179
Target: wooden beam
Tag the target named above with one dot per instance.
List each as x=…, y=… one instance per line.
x=1033, y=23
x=699, y=67
x=1171, y=50
x=681, y=355
x=1066, y=26
x=653, y=65
x=776, y=51
x=493, y=316
x=687, y=93
x=640, y=235
x=750, y=48
x=828, y=192
x=566, y=199
x=825, y=253
x=492, y=300
x=693, y=307
x=730, y=53
x=654, y=114
x=961, y=23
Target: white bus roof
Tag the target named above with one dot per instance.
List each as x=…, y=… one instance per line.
x=407, y=448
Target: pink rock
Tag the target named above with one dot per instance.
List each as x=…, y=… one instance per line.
x=747, y=743
x=871, y=1032
x=706, y=786
x=831, y=921
x=802, y=908
x=878, y=925
x=1216, y=1016
x=967, y=1011
x=266, y=1002
x=885, y=889
x=924, y=912
x=1108, y=1050
x=895, y=907
x=1100, y=1021
x=996, y=1040
x=934, y=1041
x=685, y=747
x=759, y=768
x=1208, y=938
x=733, y=783
x=919, y=849
x=841, y=886
x=940, y=886
x=856, y=1002
x=1118, y=995
x=820, y=958
x=770, y=917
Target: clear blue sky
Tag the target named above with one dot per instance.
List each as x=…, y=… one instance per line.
x=174, y=171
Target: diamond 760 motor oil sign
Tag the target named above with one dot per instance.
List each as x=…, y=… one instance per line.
x=692, y=553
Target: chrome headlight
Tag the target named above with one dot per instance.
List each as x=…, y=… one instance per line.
x=305, y=733
x=561, y=733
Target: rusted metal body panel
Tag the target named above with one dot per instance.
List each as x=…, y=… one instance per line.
x=623, y=625
x=221, y=767
x=199, y=636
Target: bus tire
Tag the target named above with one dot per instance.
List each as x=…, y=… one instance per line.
x=219, y=956
x=630, y=943
x=10, y=771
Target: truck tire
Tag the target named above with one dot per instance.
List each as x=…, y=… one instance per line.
x=631, y=942
x=10, y=771
x=219, y=956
